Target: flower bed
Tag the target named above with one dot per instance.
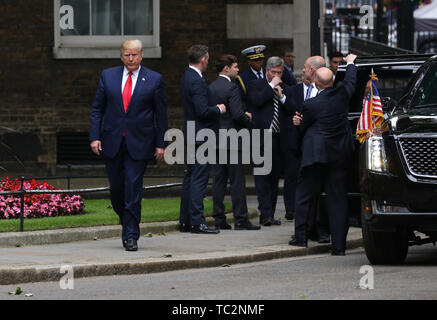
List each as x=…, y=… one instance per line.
x=37, y=205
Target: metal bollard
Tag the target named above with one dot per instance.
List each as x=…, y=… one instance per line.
x=22, y=205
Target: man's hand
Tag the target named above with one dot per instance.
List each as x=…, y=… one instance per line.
x=159, y=153
x=222, y=108
x=350, y=58
x=276, y=81
x=249, y=115
x=278, y=92
x=297, y=119
x=96, y=147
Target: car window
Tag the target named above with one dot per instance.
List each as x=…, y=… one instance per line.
x=426, y=92
x=392, y=82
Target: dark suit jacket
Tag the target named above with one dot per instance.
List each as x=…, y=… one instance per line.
x=288, y=77
x=247, y=77
x=260, y=96
x=297, y=96
x=327, y=136
x=145, y=121
x=222, y=91
x=195, y=102
x=297, y=99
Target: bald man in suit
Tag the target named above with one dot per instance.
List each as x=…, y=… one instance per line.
x=326, y=146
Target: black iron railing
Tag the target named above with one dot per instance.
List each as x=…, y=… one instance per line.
x=23, y=192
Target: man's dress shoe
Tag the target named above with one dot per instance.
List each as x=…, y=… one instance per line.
x=338, y=253
x=267, y=222
x=184, y=228
x=247, y=225
x=289, y=215
x=324, y=238
x=124, y=243
x=203, y=229
x=276, y=222
x=223, y=226
x=297, y=243
x=131, y=245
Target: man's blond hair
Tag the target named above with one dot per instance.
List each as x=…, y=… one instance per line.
x=131, y=44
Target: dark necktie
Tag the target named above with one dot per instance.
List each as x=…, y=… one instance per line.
x=259, y=75
x=275, y=121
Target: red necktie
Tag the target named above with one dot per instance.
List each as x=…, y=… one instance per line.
x=127, y=92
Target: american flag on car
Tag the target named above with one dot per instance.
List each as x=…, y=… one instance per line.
x=372, y=115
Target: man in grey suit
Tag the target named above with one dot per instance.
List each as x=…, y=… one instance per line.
x=224, y=91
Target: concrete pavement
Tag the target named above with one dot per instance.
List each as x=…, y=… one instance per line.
x=160, y=252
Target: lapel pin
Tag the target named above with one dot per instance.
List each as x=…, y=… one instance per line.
x=144, y=79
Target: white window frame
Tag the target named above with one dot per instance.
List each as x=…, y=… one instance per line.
x=103, y=47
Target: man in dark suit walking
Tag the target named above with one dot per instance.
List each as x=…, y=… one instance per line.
x=272, y=108
x=224, y=91
x=198, y=114
x=131, y=101
x=327, y=144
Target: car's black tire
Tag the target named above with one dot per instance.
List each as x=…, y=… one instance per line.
x=384, y=247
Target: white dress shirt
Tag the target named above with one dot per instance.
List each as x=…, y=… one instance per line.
x=134, y=78
x=256, y=73
x=226, y=77
x=313, y=91
x=284, y=97
x=197, y=70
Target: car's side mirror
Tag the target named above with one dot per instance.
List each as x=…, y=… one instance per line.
x=388, y=104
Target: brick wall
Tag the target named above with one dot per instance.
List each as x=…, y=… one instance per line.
x=41, y=96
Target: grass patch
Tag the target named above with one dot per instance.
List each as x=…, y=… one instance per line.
x=100, y=213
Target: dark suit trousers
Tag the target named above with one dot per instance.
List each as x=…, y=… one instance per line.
x=235, y=173
x=291, y=165
x=126, y=184
x=193, y=191
x=332, y=177
x=267, y=186
x=318, y=221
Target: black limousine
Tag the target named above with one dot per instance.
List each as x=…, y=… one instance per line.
x=397, y=170
x=396, y=198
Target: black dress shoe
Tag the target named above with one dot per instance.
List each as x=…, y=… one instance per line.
x=124, y=243
x=297, y=243
x=338, y=253
x=247, y=225
x=289, y=215
x=267, y=222
x=184, y=228
x=324, y=238
x=223, y=226
x=203, y=229
x=131, y=245
x=276, y=222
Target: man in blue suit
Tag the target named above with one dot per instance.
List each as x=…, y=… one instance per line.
x=130, y=100
x=198, y=114
x=326, y=146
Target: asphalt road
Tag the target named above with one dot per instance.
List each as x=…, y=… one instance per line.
x=303, y=278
